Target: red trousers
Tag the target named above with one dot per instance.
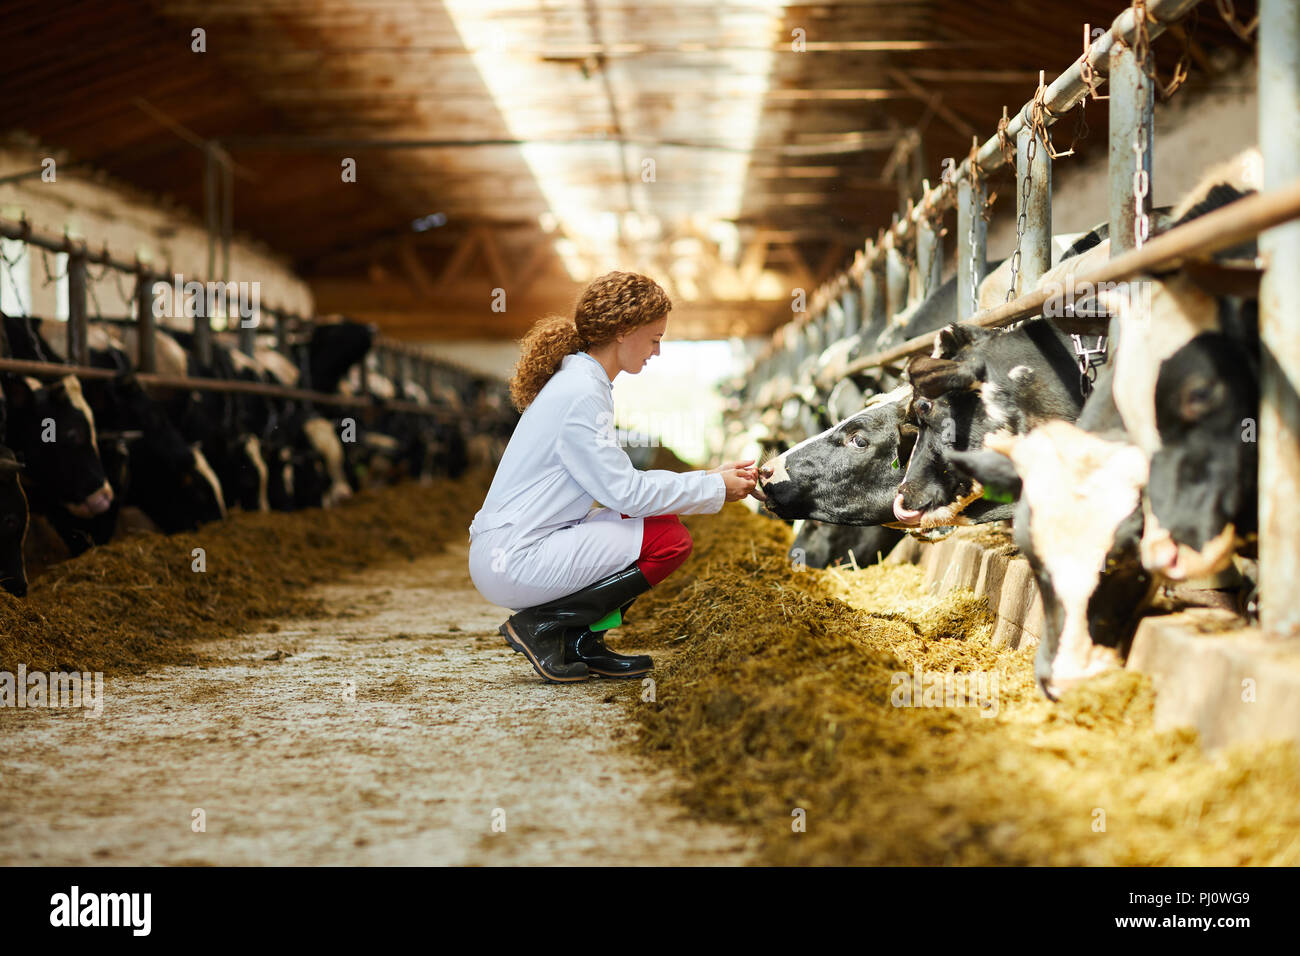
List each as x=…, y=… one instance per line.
x=665, y=544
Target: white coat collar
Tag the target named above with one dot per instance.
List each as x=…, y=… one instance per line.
x=591, y=365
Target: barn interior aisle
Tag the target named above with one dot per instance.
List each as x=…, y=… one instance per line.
x=396, y=730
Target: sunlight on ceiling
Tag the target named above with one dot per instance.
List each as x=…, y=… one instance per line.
x=642, y=204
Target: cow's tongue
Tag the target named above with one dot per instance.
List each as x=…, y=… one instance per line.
x=906, y=515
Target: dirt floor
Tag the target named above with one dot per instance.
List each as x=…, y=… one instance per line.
x=396, y=728
x=376, y=717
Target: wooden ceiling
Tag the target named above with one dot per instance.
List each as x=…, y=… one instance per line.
x=502, y=144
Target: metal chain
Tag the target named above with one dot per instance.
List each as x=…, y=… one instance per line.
x=1243, y=30
x=127, y=298
x=8, y=269
x=1141, y=180
x=970, y=237
x=1141, y=189
x=1023, y=217
x=45, y=266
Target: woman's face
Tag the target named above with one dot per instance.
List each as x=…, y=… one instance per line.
x=637, y=347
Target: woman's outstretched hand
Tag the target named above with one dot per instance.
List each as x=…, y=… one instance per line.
x=740, y=477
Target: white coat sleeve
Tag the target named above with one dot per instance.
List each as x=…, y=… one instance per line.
x=590, y=452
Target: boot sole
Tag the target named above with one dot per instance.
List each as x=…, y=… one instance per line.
x=519, y=647
x=622, y=675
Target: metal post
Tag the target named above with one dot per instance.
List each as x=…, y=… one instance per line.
x=248, y=335
x=929, y=256
x=1132, y=108
x=972, y=235
x=873, y=296
x=896, y=274
x=145, y=324
x=1036, y=243
x=849, y=302
x=1279, y=320
x=78, y=342
x=203, y=333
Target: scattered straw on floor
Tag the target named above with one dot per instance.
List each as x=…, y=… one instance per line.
x=780, y=707
x=138, y=600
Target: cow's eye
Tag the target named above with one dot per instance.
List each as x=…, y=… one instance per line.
x=1199, y=396
x=859, y=439
x=923, y=407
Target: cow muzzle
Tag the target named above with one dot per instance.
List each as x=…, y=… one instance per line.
x=96, y=503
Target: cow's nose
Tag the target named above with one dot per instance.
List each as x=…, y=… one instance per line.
x=765, y=472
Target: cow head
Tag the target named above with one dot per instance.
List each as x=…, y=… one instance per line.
x=1202, y=490
x=978, y=382
x=847, y=474
x=54, y=428
x=1078, y=521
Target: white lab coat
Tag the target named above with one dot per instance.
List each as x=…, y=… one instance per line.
x=542, y=532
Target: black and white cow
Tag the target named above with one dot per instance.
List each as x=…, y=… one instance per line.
x=820, y=545
x=51, y=429
x=980, y=381
x=1156, y=480
x=848, y=474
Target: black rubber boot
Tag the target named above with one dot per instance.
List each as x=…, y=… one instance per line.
x=539, y=632
x=588, y=647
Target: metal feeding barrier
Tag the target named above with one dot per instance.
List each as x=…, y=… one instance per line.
x=874, y=288
x=400, y=362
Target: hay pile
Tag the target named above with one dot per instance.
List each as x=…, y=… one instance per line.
x=780, y=700
x=137, y=600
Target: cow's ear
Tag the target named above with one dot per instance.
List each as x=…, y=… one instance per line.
x=951, y=339
x=932, y=377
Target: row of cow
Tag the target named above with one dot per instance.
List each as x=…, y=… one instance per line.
x=78, y=451
x=1125, y=462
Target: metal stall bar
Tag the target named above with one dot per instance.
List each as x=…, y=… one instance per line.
x=896, y=275
x=1203, y=236
x=929, y=250
x=972, y=238
x=1132, y=129
x=146, y=324
x=78, y=337
x=1279, y=319
x=1060, y=96
x=1033, y=209
x=873, y=294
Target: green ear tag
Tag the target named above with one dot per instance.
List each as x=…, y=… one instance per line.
x=1002, y=496
x=894, y=464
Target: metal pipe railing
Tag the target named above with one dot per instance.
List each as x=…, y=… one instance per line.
x=406, y=362
x=1207, y=234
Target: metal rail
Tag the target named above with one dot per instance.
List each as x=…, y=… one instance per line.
x=1220, y=229
x=402, y=362
x=53, y=370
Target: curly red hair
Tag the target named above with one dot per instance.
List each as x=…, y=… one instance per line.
x=610, y=305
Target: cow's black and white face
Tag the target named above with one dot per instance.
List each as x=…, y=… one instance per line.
x=55, y=429
x=979, y=382
x=1202, y=491
x=1078, y=521
x=848, y=474
x=933, y=494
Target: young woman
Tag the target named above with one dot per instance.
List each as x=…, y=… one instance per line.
x=570, y=532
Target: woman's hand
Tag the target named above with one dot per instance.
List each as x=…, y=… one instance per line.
x=740, y=478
